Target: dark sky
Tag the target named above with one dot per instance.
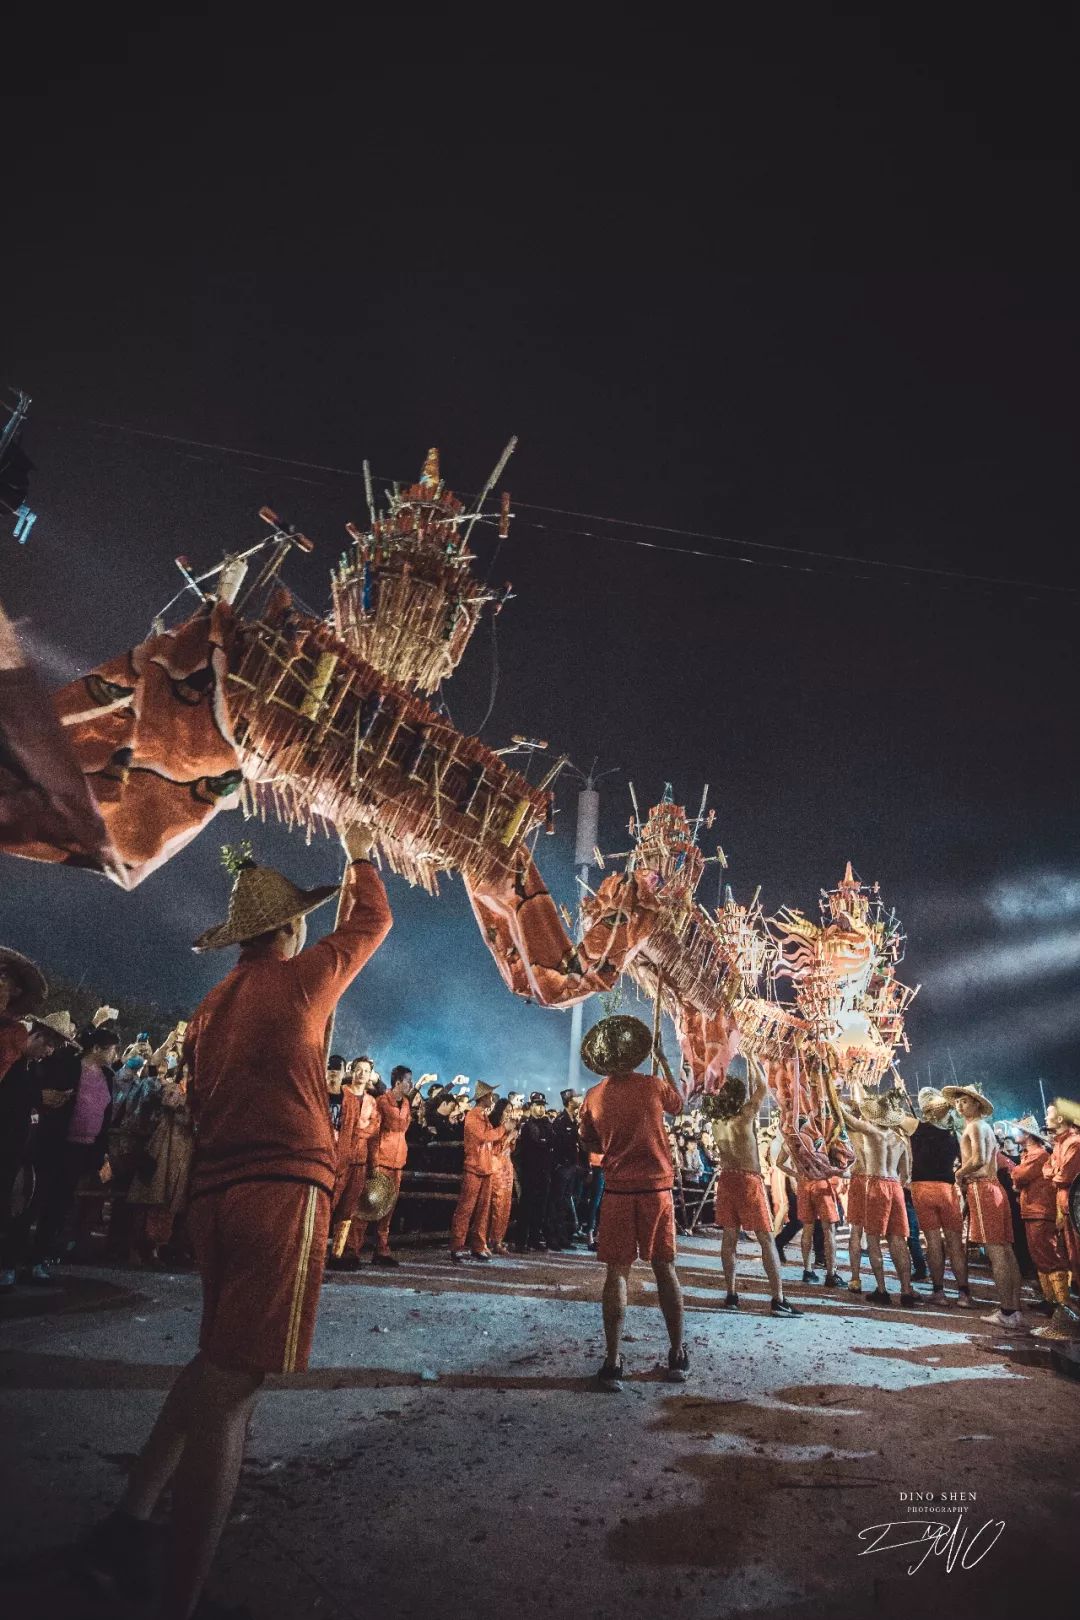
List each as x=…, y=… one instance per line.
x=855, y=338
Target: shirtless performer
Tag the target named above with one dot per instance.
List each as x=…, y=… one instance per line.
x=740, y=1191
x=989, y=1217
x=887, y=1158
x=856, y=1212
x=934, y=1152
x=816, y=1201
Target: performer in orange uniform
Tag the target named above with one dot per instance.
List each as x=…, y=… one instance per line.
x=623, y=1118
x=262, y=1183
x=1061, y=1171
x=1038, y=1211
x=352, y=1150
x=470, y=1220
x=389, y=1152
x=505, y=1117
x=366, y=1143
x=989, y=1215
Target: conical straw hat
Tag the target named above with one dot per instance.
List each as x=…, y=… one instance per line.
x=261, y=901
x=1064, y=1326
x=616, y=1045
x=30, y=981
x=62, y=1023
x=950, y=1094
x=377, y=1198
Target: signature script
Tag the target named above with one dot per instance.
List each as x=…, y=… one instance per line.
x=953, y=1541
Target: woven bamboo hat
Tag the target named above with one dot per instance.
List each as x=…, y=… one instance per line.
x=30, y=986
x=377, y=1198
x=484, y=1091
x=1064, y=1326
x=1029, y=1126
x=951, y=1093
x=63, y=1025
x=261, y=901
x=929, y=1094
x=616, y=1045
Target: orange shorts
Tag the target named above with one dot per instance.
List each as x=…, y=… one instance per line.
x=817, y=1201
x=260, y=1248
x=937, y=1204
x=740, y=1201
x=989, y=1215
x=856, y=1199
x=886, y=1212
x=635, y=1224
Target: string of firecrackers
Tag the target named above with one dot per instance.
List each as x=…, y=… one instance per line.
x=324, y=737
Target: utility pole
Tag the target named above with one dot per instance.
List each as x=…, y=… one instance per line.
x=585, y=841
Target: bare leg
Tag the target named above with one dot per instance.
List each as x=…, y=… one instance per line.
x=206, y=1479
x=158, y=1460
x=901, y=1259
x=855, y=1252
x=1006, y=1275
x=807, y=1239
x=669, y=1292
x=829, y=1230
x=935, y=1257
x=954, y=1248
x=771, y=1262
x=728, y=1247
x=614, y=1308
x=877, y=1265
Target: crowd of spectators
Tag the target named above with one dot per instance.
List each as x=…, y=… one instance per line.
x=96, y=1134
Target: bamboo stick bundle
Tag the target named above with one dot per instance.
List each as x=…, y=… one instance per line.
x=404, y=595
x=332, y=738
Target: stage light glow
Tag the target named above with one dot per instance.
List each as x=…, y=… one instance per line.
x=1040, y=898
x=996, y=1042
x=1035, y=960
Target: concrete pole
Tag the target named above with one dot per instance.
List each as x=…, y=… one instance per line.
x=587, y=834
x=573, y=1067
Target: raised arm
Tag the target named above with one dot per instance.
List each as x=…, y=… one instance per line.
x=327, y=969
x=861, y=1127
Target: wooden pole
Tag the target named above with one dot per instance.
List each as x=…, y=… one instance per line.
x=657, y=1049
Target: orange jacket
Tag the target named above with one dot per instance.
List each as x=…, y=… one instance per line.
x=1064, y=1163
x=351, y=1172
x=1036, y=1194
x=255, y=1051
x=480, y=1138
x=394, y=1120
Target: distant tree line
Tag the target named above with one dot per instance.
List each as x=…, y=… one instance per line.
x=82, y=1000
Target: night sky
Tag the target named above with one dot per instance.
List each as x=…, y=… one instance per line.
x=328, y=287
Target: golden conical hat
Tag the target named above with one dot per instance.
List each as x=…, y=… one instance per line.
x=377, y=1198
x=616, y=1045
x=1064, y=1326
x=261, y=901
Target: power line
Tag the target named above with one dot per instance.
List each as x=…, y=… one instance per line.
x=952, y=575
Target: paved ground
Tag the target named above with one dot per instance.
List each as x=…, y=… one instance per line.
x=447, y=1454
